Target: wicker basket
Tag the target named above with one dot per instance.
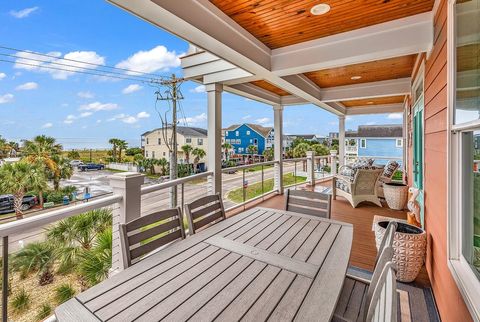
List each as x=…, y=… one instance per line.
x=410, y=244
x=396, y=195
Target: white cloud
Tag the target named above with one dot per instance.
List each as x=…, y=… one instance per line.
x=97, y=106
x=6, y=98
x=2, y=76
x=143, y=115
x=129, y=119
x=99, y=121
x=85, y=94
x=83, y=59
x=69, y=119
x=198, y=89
x=156, y=59
x=370, y=123
x=47, y=125
x=196, y=119
x=27, y=86
x=131, y=89
x=246, y=117
x=395, y=116
x=85, y=114
x=262, y=120
x=24, y=13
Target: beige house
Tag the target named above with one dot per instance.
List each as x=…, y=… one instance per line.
x=155, y=147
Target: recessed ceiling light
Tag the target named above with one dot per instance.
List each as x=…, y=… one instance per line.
x=355, y=77
x=320, y=9
x=370, y=102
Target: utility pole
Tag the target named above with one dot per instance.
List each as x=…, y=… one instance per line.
x=172, y=94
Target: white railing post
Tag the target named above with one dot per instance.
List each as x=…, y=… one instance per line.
x=127, y=185
x=210, y=187
x=278, y=148
x=341, y=139
x=333, y=162
x=311, y=168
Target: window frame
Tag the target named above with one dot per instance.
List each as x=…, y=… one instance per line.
x=397, y=145
x=363, y=146
x=464, y=276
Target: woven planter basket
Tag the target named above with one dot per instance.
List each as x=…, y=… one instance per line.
x=396, y=195
x=409, y=244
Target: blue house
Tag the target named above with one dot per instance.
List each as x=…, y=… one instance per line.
x=381, y=142
x=241, y=136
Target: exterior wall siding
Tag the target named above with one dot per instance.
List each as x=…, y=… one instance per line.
x=245, y=139
x=447, y=295
x=385, y=147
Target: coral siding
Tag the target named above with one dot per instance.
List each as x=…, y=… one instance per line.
x=448, y=298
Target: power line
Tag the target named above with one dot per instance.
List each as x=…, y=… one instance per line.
x=72, y=66
x=78, y=61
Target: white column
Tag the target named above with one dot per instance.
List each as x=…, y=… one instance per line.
x=127, y=185
x=278, y=147
x=214, y=151
x=333, y=162
x=311, y=168
x=341, y=139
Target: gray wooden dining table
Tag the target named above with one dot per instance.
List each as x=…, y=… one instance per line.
x=262, y=264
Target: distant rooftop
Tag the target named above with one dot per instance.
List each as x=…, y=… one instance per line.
x=262, y=130
x=377, y=131
x=185, y=131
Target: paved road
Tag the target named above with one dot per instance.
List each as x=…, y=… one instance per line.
x=98, y=183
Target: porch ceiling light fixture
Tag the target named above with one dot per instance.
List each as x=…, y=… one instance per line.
x=355, y=77
x=320, y=9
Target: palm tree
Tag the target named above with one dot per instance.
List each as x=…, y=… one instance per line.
x=42, y=151
x=187, y=149
x=64, y=171
x=226, y=147
x=199, y=154
x=95, y=264
x=3, y=147
x=163, y=164
x=114, y=143
x=18, y=178
x=252, y=149
x=121, y=146
x=36, y=257
x=268, y=153
x=76, y=234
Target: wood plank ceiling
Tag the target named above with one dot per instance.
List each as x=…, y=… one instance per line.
x=279, y=23
x=374, y=101
x=269, y=87
x=393, y=68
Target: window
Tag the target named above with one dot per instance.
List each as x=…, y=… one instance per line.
x=188, y=140
x=363, y=143
x=159, y=141
x=147, y=140
x=164, y=153
x=251, y=141
x=238, y=141
x=464, y=150
x=398, y=143
x=153, y=154
x=200, y=141
x=248, y=132
x=226, y=133
x=237, y=133
x=255, y=141
x=146, y=153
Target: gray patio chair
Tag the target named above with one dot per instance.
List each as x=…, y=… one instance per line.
x=148, y=233
x=357, y=294
x=383, y=305
x=204, y=212
x=308, y=202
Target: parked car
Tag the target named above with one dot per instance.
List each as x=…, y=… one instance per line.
x=76, y=163
x=6, y=203
x=91, y=166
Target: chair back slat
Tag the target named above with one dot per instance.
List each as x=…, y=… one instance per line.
x=385, y=257
x=145, y=234
x=387, y=240
x=308, y=202
x=204, y=212
x=365, y=181
x=383, y=304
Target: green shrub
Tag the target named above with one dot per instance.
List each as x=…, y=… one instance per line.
x=398, y=175
x=68, y=190
x=21, y=301
x=44, y=312
x=64, y=293
x=56, y=197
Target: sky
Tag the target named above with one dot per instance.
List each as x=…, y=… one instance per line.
x=84, y=111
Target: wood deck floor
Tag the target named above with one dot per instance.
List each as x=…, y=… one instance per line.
x=363, y=248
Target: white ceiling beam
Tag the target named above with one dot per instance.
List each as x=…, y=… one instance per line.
x=226, y=75
x=292, y=100
x=375, y=109
x=206, y=26
x=255, y=93
x=395, y=38
x=207, y=68
x=393, y=87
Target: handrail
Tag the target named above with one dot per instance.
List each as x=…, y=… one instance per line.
x=295, y=159
x=37, y=221
x=248, y=166
x=173, y=183
x=375, y=157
